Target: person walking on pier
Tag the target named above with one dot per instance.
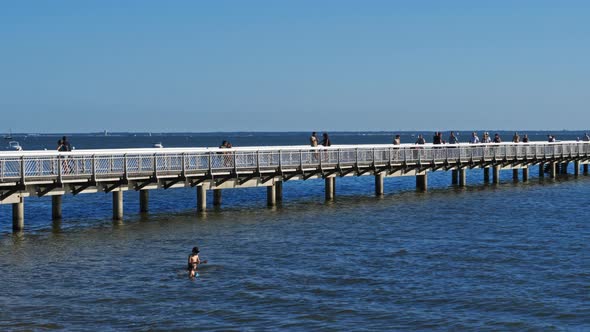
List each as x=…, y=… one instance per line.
x=586, y=137
x=525, y=138
x=474, y=139
x=486, y=138
x=397, y=140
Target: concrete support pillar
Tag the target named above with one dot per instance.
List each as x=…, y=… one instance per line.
x=496, y=174
x=379, y=184
x=576, y=168
x=56, y=201
x=486, y=175
x=271, y=195
x=515, y=174
x=454, y=176
x=216, y=197
x=201, y=199
x=422, y=182
x=585, y=169
x=18, y=215
x=541, y=170
x=279, y=191
x=117, y=205
x=525, y=174
x=144, y=199
x=330, y=188
x=552, y=169
x=564, y=168
x=463, y=177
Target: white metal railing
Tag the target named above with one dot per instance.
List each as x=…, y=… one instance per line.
x=128, y=163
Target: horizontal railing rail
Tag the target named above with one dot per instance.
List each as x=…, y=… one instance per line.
x=129, y=163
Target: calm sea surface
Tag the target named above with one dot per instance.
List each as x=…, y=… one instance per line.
x=513, y=256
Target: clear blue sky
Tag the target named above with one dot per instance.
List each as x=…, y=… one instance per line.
x=77, y=66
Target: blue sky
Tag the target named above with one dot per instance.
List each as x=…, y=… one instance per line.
x=77, y=66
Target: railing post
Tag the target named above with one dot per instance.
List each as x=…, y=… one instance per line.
x=210, y=161
x=125, y=176
x=93, y=165
x=59, y=169
x=22, y=170
x=258, y=161
x=183, y=165
x=155, y=165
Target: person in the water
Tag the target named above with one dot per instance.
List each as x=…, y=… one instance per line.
x=193, y=262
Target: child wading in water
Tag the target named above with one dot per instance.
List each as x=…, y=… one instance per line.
x=193, y=262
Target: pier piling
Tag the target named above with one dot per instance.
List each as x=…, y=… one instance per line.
x=541, y=170
x=552, y=169
x=271, y=195
x=201, y=199
x=330, y=191
x=564, y=168
x=454, y=177
x=117, y=205
x=18, y=215
x=56, y=201
x=279, y=191
x=422, y=182
x=515, y=175
x=462, y=177
x=379, y=184
x=496, y=174
x=585, y=169
x=525, y=174
x=216, y=197
x=144, y=196
x=576, y=167
x=486, y=175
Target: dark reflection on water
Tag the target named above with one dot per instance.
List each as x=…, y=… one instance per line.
x=513, y=256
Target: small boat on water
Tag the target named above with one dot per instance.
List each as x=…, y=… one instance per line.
x=14, y=146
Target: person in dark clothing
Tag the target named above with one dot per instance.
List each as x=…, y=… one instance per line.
x=497, y=138
x=326, y=140
x=65, y=144
x=436, y=139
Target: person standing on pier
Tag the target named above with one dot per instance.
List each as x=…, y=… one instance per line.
x=586, y=137
x=516, y=138
x=397, y=140
x=497, y=138
x=453, y=139
x=525, y=138
x=313, y=139
x=474, y=139
x=420, y=139
x=326, y=140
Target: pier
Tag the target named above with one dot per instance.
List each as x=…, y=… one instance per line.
x=28, y=174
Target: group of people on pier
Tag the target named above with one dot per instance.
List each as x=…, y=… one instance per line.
x=313, y=140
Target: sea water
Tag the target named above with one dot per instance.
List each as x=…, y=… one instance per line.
x=513, y=256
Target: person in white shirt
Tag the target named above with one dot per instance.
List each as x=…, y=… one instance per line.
x=474, y=139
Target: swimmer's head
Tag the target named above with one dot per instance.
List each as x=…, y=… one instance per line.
x=195, y=250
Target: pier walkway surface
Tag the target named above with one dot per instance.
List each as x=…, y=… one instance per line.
x=52, y=173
